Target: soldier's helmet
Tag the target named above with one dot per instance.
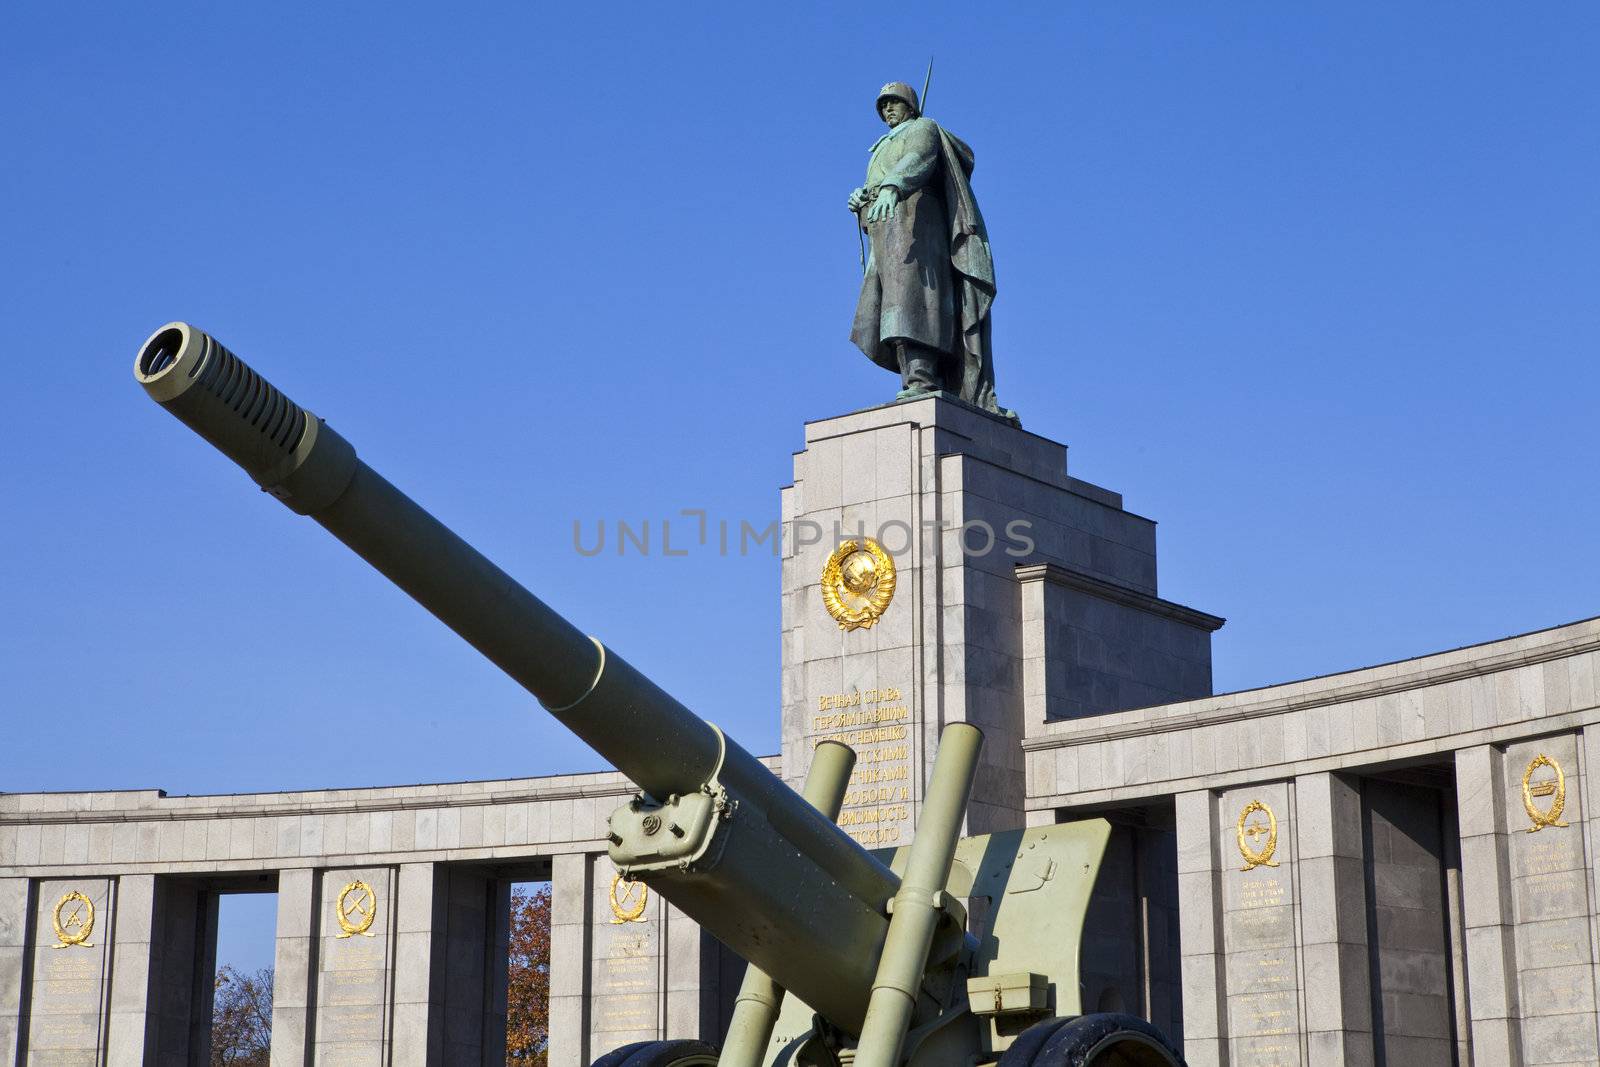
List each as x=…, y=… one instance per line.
x=897, y=91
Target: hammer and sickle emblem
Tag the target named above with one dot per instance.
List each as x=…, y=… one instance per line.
x=1250, y=832
x=356, y=908
x=1555, y=788
x=73, y=920
x=857, y=583
x=628, y=900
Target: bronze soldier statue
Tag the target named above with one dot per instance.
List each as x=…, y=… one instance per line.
x=924, y=304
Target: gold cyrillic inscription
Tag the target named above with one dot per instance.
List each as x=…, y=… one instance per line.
x=876, y=722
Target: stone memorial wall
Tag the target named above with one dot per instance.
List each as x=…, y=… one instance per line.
x=1428, y=896
x=1390, y=865
x=391, y=922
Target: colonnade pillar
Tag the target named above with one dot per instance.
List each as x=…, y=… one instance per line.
x=1205, y=1031
x=1486, y=907
x=570, y=915
x=1333, y=921
x=15, y=907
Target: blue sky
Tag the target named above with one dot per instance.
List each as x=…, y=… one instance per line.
x=1316, y=289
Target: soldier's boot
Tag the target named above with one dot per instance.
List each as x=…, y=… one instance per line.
x=919, y=370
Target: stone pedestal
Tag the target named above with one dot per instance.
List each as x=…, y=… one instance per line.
x=1021, y=594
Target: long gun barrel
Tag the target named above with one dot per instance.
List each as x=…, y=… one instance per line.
x=771, y=877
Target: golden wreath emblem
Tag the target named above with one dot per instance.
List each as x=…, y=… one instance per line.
x=628, y=899
x=356, y=908
x=73, y=920
x=857, y=583
x=1249, y=831
x=1554, y=788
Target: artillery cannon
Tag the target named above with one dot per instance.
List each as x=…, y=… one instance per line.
x=874, y=950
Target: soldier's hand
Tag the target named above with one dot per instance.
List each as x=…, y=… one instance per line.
x=858, y=200
x=883, y=207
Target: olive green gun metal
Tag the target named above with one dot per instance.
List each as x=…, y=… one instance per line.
x=872, y=951
x=755, y=1009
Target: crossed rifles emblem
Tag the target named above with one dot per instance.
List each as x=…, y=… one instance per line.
x=628, y=900
x=356, y=908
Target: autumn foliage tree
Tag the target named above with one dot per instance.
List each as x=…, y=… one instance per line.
x=241, y=1018
x=528, y=983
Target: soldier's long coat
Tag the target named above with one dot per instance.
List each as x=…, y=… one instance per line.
x=930, y=277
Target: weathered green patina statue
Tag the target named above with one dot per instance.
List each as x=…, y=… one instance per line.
x=924, y=305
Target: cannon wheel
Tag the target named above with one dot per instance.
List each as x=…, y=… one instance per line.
x=660, y=1054
x=1105, y=1039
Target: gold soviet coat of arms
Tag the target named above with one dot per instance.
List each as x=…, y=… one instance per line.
x=858, y=583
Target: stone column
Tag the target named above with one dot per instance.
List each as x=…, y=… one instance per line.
x=1409, y=918
x=182, y=955
x=1260, y=902
x=693, y=979
x=474, y=934
x=570, y=910
x=1205, y=1032
x=355, y=965
x=15, y=904
x=1589, y=742
x=135, y=971
x=627, y=962
x=1333, y=921
x=1550, y=899
x=418, y=1018
x=1486, y=908
x=683, y=967
x=1157, y=890
x=294, y=962
x=67, y=996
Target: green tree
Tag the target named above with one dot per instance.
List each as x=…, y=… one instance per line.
x=528, y=982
